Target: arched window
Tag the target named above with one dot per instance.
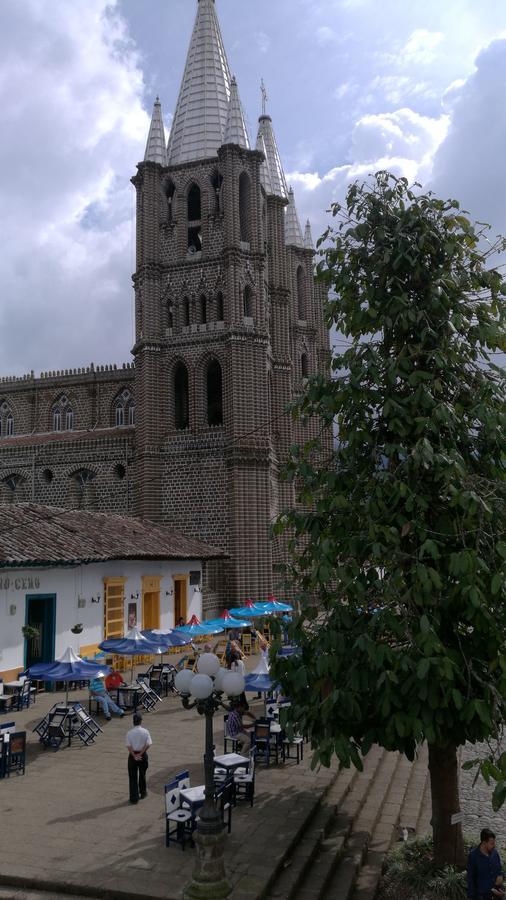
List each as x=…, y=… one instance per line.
x=301, y=293
x=124, y=409
x=203, y=310
x=214, y=394
x=220, y=312
x=6, y=420
x=248, y=302
x=82, y=477
x=217, y=182
x=170, y=190
x=181, y=398
x=13, y=481
x=62, y=415
x=245, y=207
x=304, y=365
x=170, y=314
x=194, y=220
x=186, y=311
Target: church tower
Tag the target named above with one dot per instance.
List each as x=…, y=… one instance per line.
x=227, y=323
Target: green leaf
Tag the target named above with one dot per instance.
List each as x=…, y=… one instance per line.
x=499, y=795
x=422, y=668
x=497, y=582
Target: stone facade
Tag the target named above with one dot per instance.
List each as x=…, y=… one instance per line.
x=228, y=323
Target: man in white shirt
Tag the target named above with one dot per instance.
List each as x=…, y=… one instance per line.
x=138, y=740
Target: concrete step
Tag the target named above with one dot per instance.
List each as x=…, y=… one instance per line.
x=328, y=829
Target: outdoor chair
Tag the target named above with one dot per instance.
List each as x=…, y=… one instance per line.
x=7, y=727
x=247, y=644
x=271, y=710
x=16, y=753
x=56, y=733
x=244, y=781
x=86, y=728
x=178, y=821
x=234, y=744
x=265, y=743
x=297, y=742
x=148, y=698
x=224, y=801
x=23, y=695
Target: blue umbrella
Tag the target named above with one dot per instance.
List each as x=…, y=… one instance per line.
x=274, y=606
x=170, y=638
x=253, y=610
x=259, y=679
x=69, y=667
x=134, y=644
x=196, y=628
x=227, y=620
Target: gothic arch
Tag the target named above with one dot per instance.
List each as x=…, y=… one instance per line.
x=169, y=193
x=248, y=301
x=7, y=419
x=123, y=409
x=216, y=180
x=214, y=393
x=62, y=414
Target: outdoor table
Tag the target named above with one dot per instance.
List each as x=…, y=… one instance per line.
x=129, y=694
x=6, y=702
x=13, y=685
x=194, y=799
x=231, y=761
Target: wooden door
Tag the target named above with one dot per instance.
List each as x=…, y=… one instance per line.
x=150, y=602
x=114, y=607
x=180, y=601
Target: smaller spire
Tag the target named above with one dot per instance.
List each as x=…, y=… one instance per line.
x=308, y=237
x=235, y=129
x=278, y=180
x=155, y=147
x=293, y=231
x=265, y=172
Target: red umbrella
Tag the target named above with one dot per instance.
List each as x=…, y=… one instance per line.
x=194, y=621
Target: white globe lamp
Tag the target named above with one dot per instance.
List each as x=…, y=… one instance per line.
x=218, y=678
x=202, y=686
x=183, y=681
x=233, y=684
x=208, y=664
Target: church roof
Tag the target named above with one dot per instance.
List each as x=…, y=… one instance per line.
x=155, y=147
x=235, y=128
x=293, y=231
x=32, y=534
x=201, y=113
x=277, y=175
x=308, y=237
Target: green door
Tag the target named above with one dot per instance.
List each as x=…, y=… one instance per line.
x=40, y=614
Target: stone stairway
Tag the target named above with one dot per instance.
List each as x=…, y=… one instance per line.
x=341, y=850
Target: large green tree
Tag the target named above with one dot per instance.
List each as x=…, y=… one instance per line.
x=399, y=532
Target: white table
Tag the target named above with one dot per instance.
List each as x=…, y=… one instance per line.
x=231, y=761
x=193, y=798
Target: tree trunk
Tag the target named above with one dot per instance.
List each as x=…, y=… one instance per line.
x=444, y=786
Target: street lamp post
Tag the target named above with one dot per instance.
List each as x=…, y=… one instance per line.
x=204, y=692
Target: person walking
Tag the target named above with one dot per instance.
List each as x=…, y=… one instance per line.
x=138, y=740
x=483, y=868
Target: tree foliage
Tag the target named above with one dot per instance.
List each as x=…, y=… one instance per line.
x=399, y=533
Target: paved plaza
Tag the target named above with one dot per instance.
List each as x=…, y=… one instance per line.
x=68, y=824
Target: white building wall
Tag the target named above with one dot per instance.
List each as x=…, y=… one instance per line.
x=71, y=585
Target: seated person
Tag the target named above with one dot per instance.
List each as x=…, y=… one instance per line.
x=98, y=692
x=114, y=680
x=237, y=730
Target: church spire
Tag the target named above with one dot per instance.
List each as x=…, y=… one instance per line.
x=308, y=237
x=265, y=173
x=155, y=147
x=201, y=113
x=278, y=180
x=235, y=128
x=293, y=231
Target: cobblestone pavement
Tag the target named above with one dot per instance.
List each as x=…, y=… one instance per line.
x=67, y=821
x=476, y=801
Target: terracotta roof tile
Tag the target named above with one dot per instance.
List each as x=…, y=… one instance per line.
x=32, y=534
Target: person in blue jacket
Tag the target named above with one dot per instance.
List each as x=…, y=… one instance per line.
x=483, y=868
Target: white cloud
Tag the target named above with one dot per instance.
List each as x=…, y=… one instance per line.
x=263, y=41
x=325, y=35
x=72, y=131
x=421, y=46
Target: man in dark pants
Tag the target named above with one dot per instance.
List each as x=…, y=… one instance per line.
x=483, y=868
x=138, y=740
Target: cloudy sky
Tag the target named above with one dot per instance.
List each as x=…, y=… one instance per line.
x=354, y=85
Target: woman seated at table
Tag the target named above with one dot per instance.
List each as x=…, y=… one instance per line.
x=237, y=730
x=99, y=693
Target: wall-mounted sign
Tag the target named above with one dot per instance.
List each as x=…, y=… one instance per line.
x=19, y=584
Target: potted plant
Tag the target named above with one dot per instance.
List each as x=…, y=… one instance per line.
x=77, y=629
x=30, y=632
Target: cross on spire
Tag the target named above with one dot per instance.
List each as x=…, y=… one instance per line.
x=264, y=97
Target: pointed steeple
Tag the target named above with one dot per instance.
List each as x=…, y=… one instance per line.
x=293, y=231
x=201, y=113
x=278, y=180
x=265, y=174
x=235, y=129
x=155, y=147
x=308, y=237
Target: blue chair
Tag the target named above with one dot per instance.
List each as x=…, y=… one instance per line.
x=16, y=753
x=178, y=821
